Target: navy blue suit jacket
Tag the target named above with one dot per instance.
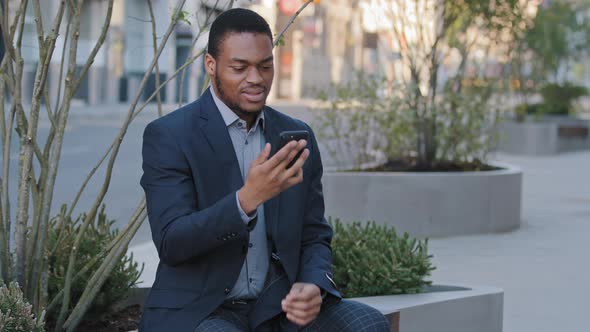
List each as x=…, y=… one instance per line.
x=191, y=175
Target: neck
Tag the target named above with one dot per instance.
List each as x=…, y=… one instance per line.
x=249, y=117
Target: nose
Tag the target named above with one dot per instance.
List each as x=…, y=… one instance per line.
x=254, y=76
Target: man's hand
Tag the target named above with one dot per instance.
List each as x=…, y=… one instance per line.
x=302, y=304
x=269, y=177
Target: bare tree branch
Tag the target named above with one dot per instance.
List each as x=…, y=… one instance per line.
x=93, y=210
x=155, y=46
x=101, y=274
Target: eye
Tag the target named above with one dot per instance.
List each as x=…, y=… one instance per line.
x=266, y=67
x=239, y=69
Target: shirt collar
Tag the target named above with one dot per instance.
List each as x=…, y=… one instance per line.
x=229, y=117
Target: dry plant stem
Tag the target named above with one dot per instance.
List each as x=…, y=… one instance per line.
x=93, y=210
x=24, y=165
x=5, y=236
x=155, y=47
x=119, y=138
x=74, y=9
x=94, y=260
x=135, y=114
x=61, y=68
x=102, y=273
x=280, y=35
x=40, y=223
x=201, y=29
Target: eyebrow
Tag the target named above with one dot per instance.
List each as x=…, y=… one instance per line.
x=270, y=58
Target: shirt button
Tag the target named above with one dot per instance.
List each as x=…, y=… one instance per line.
x=250, y=245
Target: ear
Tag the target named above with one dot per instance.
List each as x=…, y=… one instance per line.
x=210, y=64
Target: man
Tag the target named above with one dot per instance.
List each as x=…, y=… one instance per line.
x=242, y=239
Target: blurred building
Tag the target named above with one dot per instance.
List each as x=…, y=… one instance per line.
x=328, y=42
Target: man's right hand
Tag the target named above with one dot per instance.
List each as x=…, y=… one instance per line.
x=269, y=177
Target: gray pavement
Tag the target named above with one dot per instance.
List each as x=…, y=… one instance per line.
x=543, y=267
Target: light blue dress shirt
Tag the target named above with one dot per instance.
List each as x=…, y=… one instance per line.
x=247, y=145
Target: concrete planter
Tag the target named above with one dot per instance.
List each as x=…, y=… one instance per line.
x=428, y=204
x=440, y=308
x=547, y=136
x=443, y=309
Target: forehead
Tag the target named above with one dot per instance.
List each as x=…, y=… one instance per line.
x=245, y=45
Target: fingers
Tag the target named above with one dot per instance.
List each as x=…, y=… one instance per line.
x=262, y=156
x=296, y=169
x=285, y=155
x=279, y=156
x=303, y=303
x=299, y=321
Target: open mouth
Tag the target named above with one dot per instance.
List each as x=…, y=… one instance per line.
x=254, y=95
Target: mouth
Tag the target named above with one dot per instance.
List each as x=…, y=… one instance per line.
x=254, y=95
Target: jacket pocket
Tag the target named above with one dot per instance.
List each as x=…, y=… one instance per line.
x=170, y=298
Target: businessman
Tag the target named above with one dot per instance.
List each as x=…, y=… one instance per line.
x=242, y=239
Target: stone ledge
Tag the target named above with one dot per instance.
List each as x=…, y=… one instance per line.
x=443, y=309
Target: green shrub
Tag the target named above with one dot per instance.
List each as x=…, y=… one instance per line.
x=522, y=110
x=94, y=242
x=372, y=260
x=558, y=99
x=15, y=313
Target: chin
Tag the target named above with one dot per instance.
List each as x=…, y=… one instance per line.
x=252, y=108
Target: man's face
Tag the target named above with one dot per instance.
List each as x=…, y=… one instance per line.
x=243, y=72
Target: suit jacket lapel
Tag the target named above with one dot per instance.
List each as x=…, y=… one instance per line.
x=271, y=207
x=217, y=136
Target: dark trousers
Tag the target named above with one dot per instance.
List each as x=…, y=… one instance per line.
x=336, y=316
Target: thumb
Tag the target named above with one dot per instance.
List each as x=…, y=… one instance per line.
x=263, y=155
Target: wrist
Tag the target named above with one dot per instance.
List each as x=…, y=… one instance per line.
x=247, y=203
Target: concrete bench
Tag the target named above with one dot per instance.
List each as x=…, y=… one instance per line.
x=443, y=309
x=440, y=308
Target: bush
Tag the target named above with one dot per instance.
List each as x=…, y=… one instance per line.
x=372, y=260
x=61, y=237
x=15, y=313
x=558, y=99
x=370, y=121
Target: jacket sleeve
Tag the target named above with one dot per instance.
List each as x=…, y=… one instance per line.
x=180, y=230
x=315, y=264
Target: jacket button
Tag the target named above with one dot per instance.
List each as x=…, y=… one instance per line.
x=226, y=290
x=244, y=249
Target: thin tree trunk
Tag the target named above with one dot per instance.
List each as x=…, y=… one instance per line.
x=99, y=277
x=155, y=47
x=24, y=165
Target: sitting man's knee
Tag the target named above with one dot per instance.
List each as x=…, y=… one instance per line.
x=358, y=317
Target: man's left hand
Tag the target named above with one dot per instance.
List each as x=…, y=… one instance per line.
x=302, y=304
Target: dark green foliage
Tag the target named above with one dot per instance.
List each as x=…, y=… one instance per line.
x=557, y=99
x=371, y=260
x=15, y=313
x=94, y=243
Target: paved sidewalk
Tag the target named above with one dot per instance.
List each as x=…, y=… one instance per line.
x=543, y=267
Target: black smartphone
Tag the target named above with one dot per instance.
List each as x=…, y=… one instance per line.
x=288, y=136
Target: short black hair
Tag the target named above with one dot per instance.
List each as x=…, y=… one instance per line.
x=235, y=20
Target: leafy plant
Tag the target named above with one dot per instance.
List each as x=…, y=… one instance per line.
x=370, y=120
x=558, y=99
x=372, y=259
x=94, y=243
x=16, y=314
